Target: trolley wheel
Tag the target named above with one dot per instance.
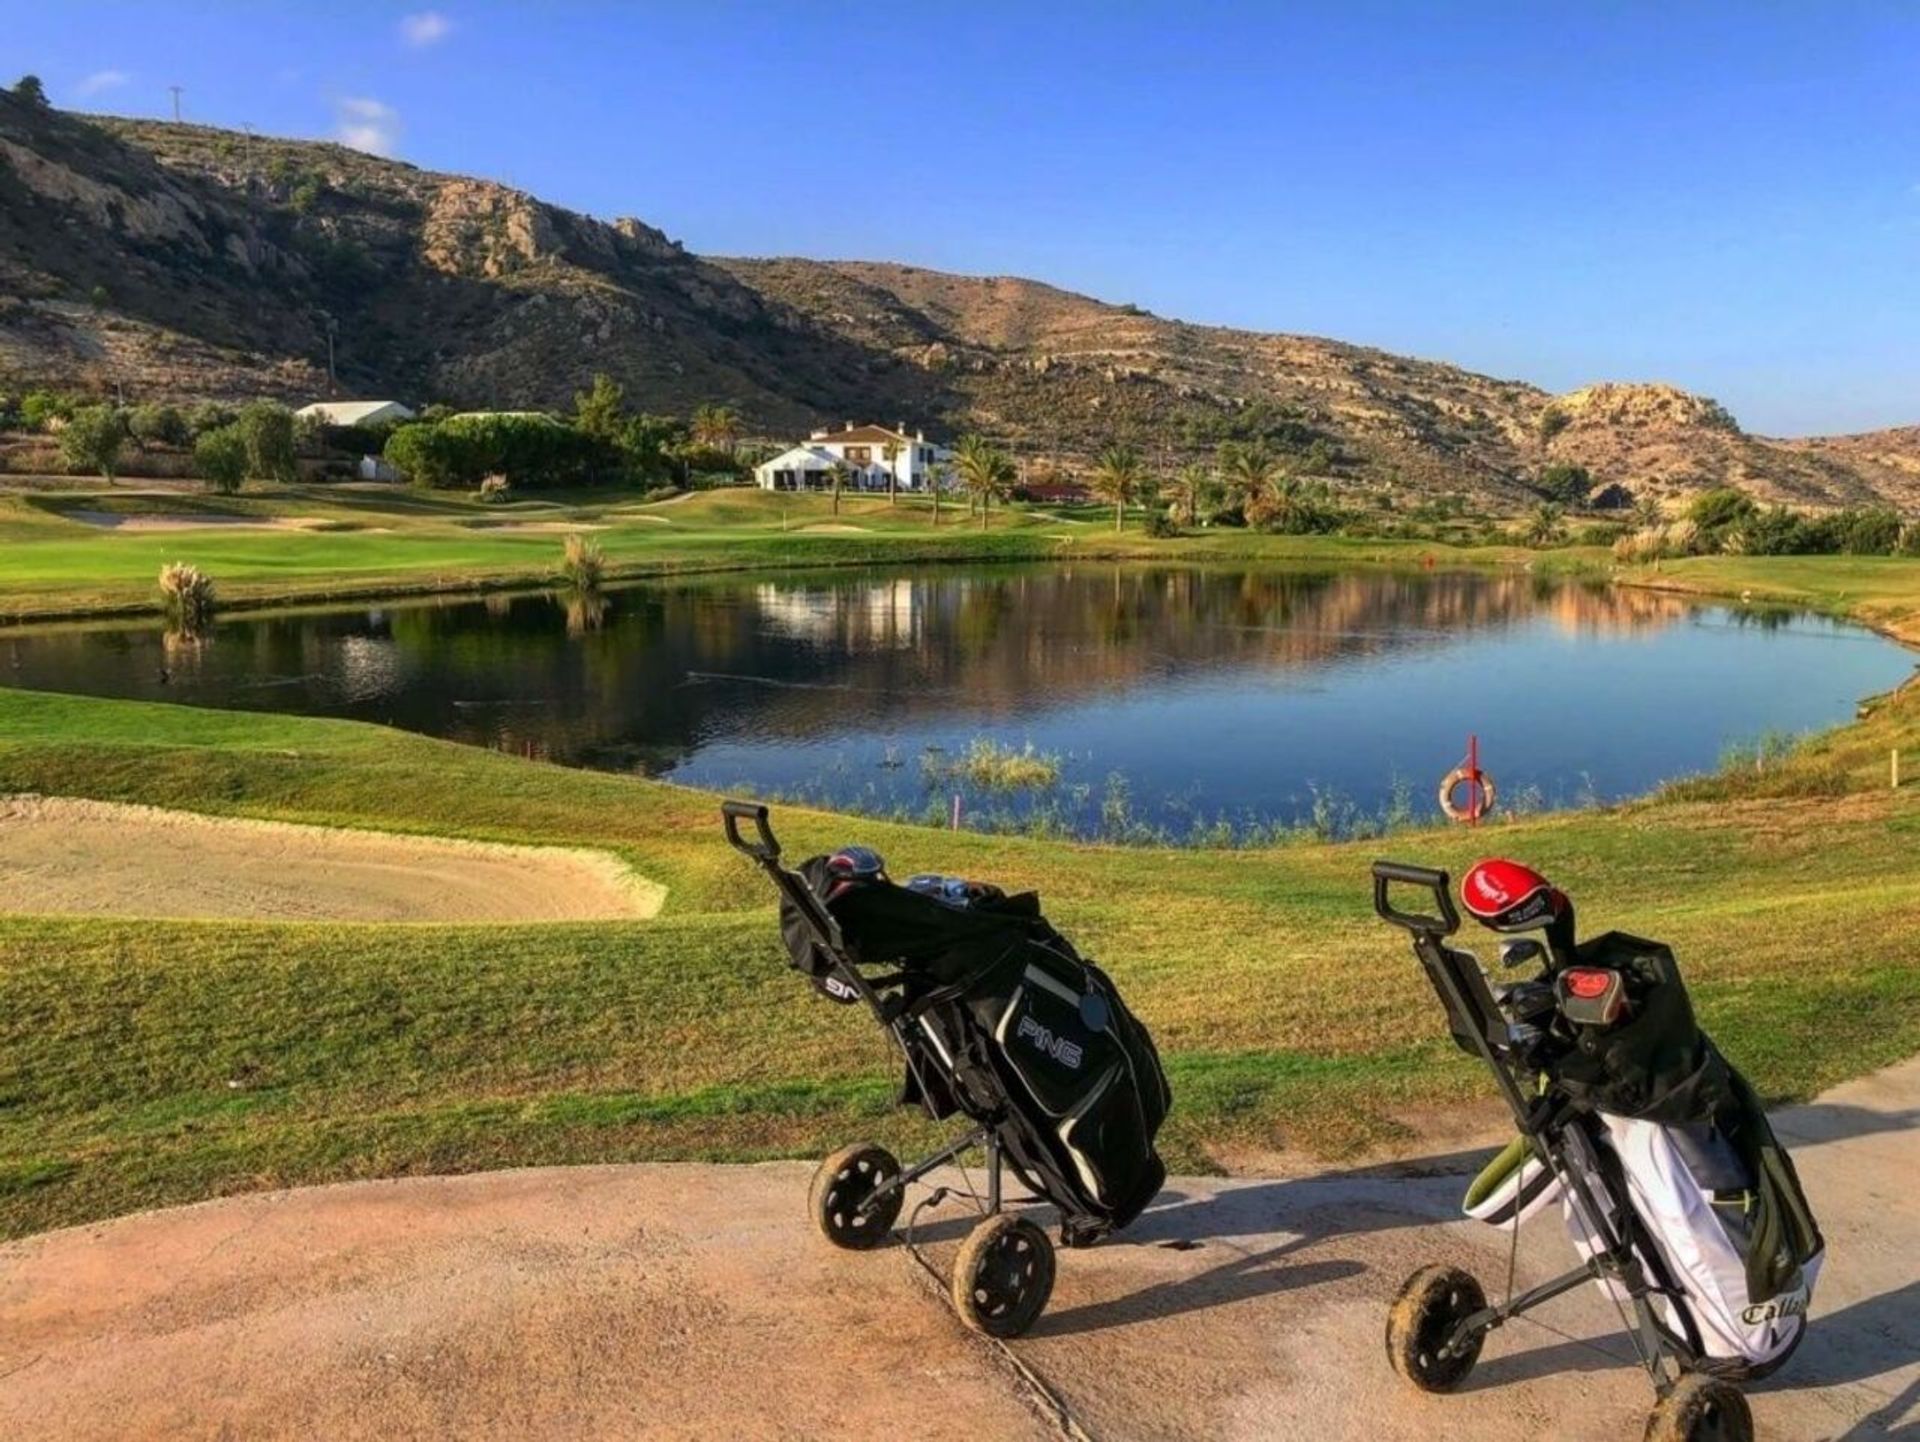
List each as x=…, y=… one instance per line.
x=1701, y=1409
x=1003, y=1276
x=1434, y=1301
x=844, y=1181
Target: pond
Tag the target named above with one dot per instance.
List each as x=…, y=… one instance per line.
x=1113, y=700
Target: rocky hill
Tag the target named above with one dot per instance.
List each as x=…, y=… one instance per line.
x=182, y=261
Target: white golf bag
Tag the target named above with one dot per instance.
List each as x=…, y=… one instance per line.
x=1693, y=1204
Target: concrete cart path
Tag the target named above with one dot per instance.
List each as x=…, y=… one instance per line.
x=681, y=1301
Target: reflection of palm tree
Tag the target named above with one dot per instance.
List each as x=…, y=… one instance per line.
x=985, y=471
x=1117, y=478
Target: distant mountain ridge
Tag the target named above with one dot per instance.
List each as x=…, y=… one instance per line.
x=184, y=261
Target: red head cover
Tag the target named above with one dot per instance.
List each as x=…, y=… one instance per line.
x=1507, y=896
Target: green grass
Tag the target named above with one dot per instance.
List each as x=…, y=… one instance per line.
x=397, y=542
x=149, y=1062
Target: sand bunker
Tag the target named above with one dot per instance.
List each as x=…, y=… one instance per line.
x=534, y=527
x=120, y=521
x=61, y=857
x=837, y=528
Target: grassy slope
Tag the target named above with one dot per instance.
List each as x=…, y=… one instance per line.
x=386, y=542
x=152, y=1062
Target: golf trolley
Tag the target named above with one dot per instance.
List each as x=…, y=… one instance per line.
x=955, y=984
x=1441, y=1316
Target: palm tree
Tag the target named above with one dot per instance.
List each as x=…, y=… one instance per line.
x=839, y=473
x=1187, y=492
x=1118, y=478
x=890, y=453
x=716, y=426
x=1543, y=525
x=1247, y=471
x=985, y=471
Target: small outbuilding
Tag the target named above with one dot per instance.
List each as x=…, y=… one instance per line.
x=355, y=413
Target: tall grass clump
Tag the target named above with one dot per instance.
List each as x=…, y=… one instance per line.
x=582, y=562
x=186, y=595
x=992, y=766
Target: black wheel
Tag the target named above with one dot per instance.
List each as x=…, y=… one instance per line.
x=1430, y=1306
x=1701, y=1409
x=844, y=1181
x=1003, y=1276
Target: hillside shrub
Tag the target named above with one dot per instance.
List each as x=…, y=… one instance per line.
x=38, y=408
x=220, y=459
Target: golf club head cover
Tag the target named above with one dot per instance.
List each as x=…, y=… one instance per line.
x=1507, y=897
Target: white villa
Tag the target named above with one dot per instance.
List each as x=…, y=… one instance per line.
x=865, y=456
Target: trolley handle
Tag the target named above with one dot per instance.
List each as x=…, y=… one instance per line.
x=1445, y=920
x=765, y=848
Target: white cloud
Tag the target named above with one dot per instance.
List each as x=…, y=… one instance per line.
x=101, y=80
x=426, y=27
x=366, y=124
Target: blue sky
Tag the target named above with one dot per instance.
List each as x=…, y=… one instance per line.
x=1723, y=196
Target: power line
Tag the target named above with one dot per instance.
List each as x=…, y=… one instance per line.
x=176, y=102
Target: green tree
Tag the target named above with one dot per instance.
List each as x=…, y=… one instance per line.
x=158, y=425
x=1119, y=478
x=1544, y=526
x=1187, y=493
x=1246, y=470
x=29, y=89
x=39, y=407
x=1717, y=510
x=424, y=453
x=985, y=472
x=601, y=410
x=220, y=456
x=716, y=426
x=92, y=439
x=267, y=428
x=1568, y=485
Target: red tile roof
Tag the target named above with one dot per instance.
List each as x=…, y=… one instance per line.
x=862, y=436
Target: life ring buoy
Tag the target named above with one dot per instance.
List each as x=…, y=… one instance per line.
x=1476, y=781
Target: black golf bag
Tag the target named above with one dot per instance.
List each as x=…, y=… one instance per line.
x=999, y=1020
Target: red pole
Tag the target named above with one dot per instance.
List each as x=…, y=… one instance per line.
x=1474, y=790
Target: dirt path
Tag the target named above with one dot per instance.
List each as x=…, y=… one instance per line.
x=695, y=1301
x=61, y=857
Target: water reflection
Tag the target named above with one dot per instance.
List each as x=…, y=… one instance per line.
x=1208, y=690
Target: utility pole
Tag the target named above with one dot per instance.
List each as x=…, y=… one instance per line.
x=176, y=103
x=333, y=383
